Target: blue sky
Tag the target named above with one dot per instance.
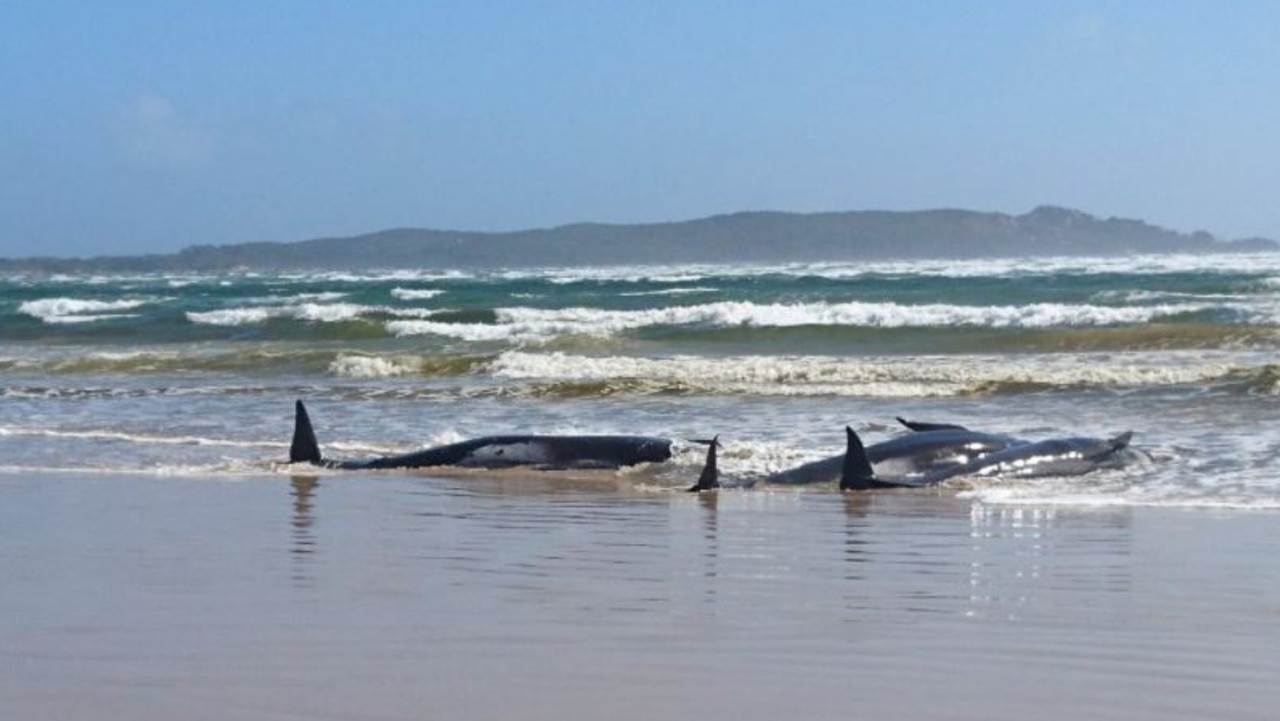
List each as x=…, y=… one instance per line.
x=131, y=126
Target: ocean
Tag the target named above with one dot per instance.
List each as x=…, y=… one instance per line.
x=195, y=375
x=161, y=559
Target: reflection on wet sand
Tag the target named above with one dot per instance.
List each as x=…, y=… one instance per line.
x=901, y=552
x=302, y=488
x=911, y=552
x=710, y=503
x=1021, y=556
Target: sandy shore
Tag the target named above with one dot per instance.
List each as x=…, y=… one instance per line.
x=411, y=597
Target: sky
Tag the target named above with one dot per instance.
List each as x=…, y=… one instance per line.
x=144, y=127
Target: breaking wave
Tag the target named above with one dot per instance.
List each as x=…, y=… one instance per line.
x=304, y=312
x=259, y=360
x=314, y=312
x=560, y=374
x=523, y=323
x=351, y=365
x=940, y=268
x=415, y=293
x=73, y=310
x=670, y=291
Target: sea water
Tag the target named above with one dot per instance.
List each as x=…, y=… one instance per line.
x=194, y=375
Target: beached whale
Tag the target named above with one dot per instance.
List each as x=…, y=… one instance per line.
x=535, y=451
x=932, y=445
x=1053, y=457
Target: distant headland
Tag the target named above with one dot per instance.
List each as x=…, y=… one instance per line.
x=748, y=237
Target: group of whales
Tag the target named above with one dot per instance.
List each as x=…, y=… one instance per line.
x=929, y=454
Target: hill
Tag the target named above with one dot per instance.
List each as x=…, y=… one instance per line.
x=749, y=237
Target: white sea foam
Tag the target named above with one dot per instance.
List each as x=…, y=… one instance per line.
x=640, y=274
x=74, y=310
x=360, y=366
x=316, y=312
x=326, y=297
x=942, y=268
x=902, y=377
x=416, y=293
x=326, y=312
x=379, y=275
x=672, y=291
x=471, y=332
x=523, y=323
x=1147, y=296
x=68, y=319
x=184, y=280
x=230, y=316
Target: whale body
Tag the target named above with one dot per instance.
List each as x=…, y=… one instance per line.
x=543, y=452
x=1072, y=456
x=906, y=455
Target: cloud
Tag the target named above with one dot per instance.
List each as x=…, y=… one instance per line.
x=150, y=132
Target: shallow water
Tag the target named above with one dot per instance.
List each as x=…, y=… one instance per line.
x=400, y=596
x=177, y=375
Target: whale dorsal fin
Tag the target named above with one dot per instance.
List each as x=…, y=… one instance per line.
x=919, y=426
x=709, y=479
x=1120, y=441
x=305, y=448
x=856, y=474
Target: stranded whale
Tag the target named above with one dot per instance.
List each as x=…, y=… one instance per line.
x=931, y=446
x=541, y=452
x=1053, y=457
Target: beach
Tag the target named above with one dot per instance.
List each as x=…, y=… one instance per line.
x=408, y=595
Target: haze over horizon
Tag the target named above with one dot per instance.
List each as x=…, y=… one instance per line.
x=145, y=127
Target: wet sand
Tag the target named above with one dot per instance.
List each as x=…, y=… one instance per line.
x=410, y=597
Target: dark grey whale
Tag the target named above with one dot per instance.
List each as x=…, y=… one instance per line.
x=1053, y=457
x=536, y=451
x=908, y=454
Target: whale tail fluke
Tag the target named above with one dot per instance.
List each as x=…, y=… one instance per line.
x=709, y=480
x=305, y=448
x=856, y=474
